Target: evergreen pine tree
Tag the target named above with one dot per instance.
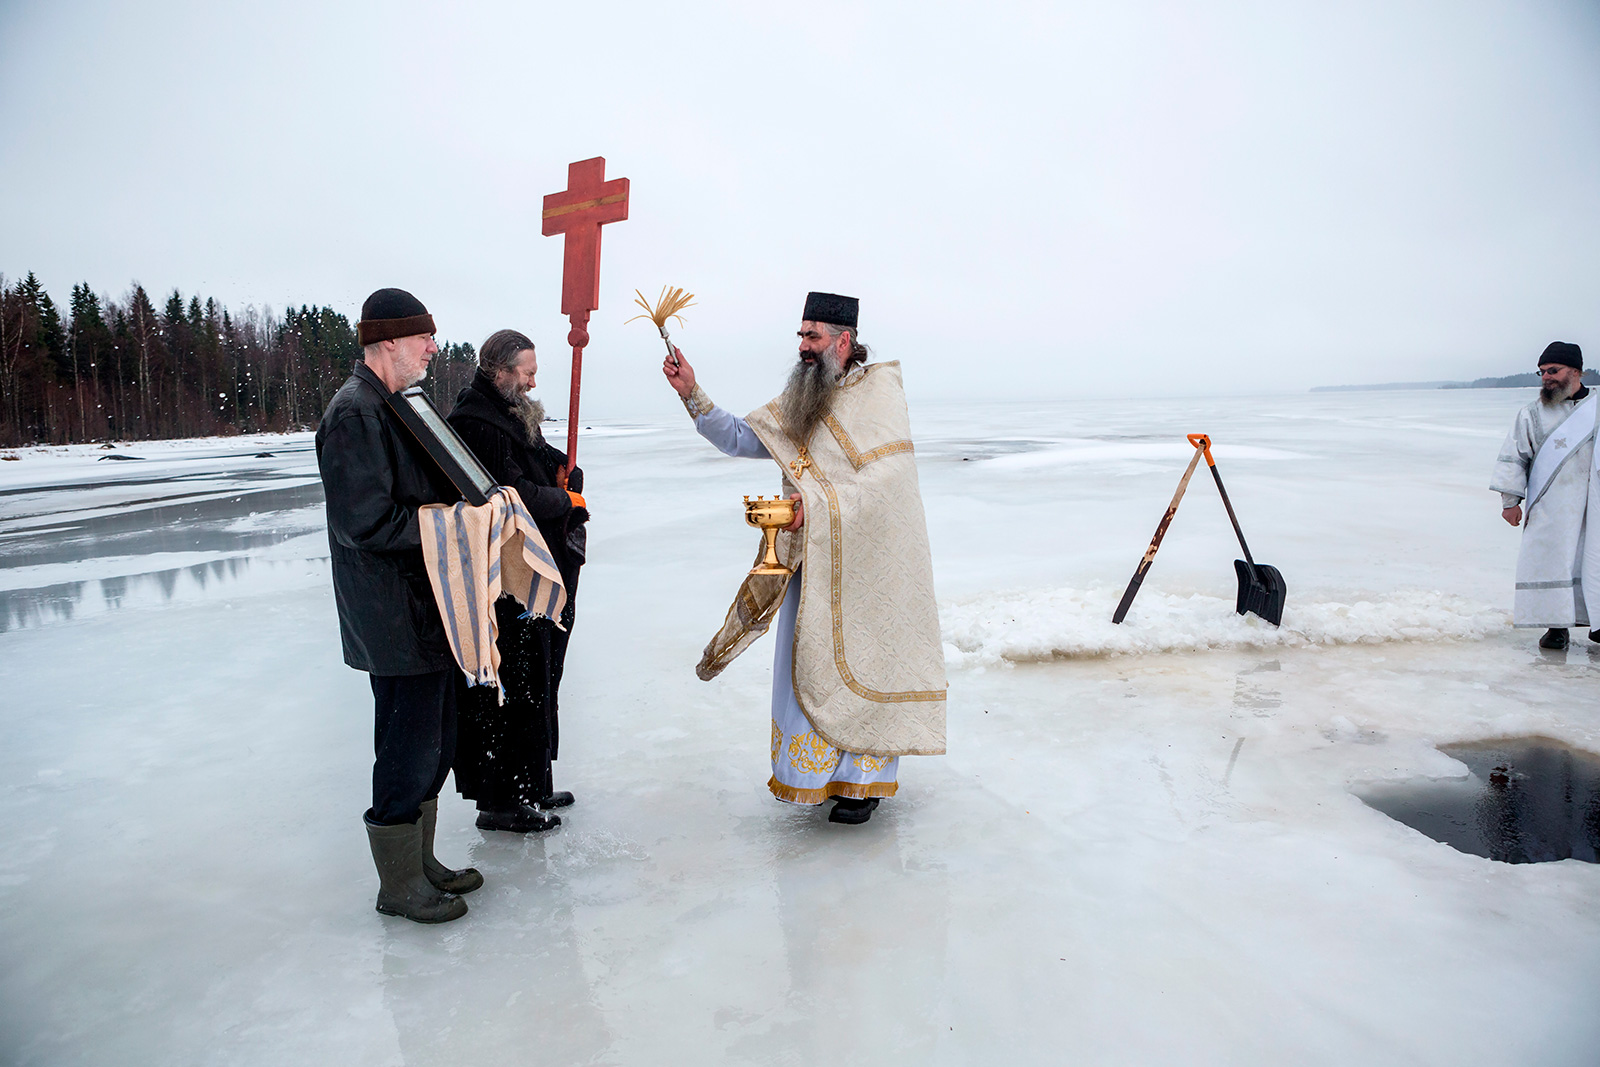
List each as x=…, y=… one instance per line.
x=145, y=332
x=89, y=341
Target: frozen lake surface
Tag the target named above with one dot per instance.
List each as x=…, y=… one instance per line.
x=1145, y=844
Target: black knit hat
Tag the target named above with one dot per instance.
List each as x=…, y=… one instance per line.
x=391, y=313
x=831, y=308
x=1564, y=353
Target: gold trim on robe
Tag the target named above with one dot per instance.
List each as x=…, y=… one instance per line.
x=868, y=661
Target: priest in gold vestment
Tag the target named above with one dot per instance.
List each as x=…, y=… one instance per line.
x=858, y=672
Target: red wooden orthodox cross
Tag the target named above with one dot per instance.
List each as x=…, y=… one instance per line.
x=587, y=203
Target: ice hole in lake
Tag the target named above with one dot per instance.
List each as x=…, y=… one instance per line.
x=1526, y=800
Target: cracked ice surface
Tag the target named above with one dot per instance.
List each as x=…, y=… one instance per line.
x=1142, y=846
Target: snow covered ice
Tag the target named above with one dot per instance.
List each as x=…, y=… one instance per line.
x=1143, y=847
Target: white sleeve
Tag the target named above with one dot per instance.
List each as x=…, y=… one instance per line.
x=1511, y=467
x=731, y=434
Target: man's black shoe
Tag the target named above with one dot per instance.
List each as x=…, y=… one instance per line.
x=1594, y=635
x=1554, y=638
x=559, y=799
x=521, y=819
x=851, y=811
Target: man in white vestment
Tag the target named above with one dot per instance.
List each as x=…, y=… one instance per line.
x=858, y=673
x=1545, y=477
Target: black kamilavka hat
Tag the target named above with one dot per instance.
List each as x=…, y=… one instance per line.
x=831, y=308
x=391, y=313
x=1564, y=353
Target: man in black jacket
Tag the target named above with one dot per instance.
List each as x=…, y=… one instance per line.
x=505, y=751
x=375, y=477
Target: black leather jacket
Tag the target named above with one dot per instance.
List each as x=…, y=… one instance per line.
x=486, y=422
x=376, y=477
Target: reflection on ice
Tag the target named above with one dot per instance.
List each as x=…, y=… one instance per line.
x=844, y=896
x=236, y=575
x=1252, y=695
x=208, y=523
x=77, y=546
x=434, y=990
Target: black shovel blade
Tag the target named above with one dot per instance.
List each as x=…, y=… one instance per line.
x=1261, y=590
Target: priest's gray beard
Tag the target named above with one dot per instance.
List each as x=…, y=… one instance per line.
x=805, y=399
x=529, y=410
x=1550, y=392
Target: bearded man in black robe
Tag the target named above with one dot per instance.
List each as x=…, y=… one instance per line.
x=504, y=751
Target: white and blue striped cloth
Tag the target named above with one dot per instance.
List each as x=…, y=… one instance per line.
x=474, y=554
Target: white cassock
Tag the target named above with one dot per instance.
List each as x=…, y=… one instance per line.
x=1548, y=466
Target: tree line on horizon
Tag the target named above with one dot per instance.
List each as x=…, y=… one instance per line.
x=107, y=369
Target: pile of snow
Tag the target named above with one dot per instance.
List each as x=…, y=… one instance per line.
x=1070, y=623
x=1077, y=452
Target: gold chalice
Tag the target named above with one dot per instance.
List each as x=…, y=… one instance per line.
x=770, y=516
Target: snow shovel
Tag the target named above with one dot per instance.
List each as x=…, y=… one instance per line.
x=1155, y=542
x=1261, y=588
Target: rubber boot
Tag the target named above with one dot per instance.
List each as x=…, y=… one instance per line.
x=403, y=889
x=1554, y=638
x=443, y=878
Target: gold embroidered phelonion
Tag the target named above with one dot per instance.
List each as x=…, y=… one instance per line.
x=667, y=306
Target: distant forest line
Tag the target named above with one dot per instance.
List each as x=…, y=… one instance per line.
x=1529, y=379
x=118, y=369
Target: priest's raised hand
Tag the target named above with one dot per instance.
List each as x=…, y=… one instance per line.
x=679, y=373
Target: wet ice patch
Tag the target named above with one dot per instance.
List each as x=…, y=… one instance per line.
x=1524, y=800
x=594, y=848
x=1030, y=627
x=293, y=521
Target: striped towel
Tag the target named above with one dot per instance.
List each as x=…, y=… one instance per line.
x=476, y=553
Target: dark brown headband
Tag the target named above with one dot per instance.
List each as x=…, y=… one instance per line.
x=371, y=331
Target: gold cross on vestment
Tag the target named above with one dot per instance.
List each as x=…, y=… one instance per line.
x=801, y=462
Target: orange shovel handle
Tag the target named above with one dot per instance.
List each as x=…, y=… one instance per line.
x=1203, y=442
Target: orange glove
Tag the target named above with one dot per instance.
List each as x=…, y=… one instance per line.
x=577, y=501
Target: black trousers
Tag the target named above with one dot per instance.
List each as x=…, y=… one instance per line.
x=505, y=750
x=414, y=742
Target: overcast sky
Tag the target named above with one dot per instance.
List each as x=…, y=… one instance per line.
x=1030, y=200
